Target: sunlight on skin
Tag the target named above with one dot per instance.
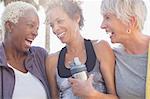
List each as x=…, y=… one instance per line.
x=91, y=29
x=92, y=23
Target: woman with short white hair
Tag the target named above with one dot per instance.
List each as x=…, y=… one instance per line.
x=22, y=66
x=124, y=20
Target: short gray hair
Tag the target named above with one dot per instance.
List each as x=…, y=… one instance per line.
x=13, y=12
x=124, y=9
x=71, y=7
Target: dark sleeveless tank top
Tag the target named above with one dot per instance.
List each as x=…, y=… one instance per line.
x=90, y=61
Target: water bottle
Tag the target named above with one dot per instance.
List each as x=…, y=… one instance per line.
x=78, y=70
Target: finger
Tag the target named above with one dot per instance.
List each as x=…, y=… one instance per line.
x=72, y=80
x=90, y=79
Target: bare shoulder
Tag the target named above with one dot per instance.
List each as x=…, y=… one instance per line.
x=52, y=60
x=100, y=45
x=53, y=56
x=102, y=49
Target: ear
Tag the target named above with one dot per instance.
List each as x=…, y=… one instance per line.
x=8, y=26
x=133, y=22
x=77, y=18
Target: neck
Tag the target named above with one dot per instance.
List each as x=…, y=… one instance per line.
x=76, y=45
x=137, y=44
x=12, y=52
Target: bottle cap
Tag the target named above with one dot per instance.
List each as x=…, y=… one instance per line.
x=77, y=67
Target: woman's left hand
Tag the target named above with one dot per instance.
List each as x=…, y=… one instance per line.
x=82, y=88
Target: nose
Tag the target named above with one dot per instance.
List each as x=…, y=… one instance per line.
x=103, y=25
x=55, y=28
x=35, y=32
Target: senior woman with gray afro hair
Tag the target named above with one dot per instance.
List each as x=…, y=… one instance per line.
x=22, y=66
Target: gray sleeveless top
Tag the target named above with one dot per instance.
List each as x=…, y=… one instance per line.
x=65, y=88
x=63, y=73
x=130, y=74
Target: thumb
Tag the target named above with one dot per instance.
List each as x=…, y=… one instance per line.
x=90, y=79
x=71, y=80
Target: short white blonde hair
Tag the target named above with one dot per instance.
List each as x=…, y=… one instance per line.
x=13, y=12
x=124, y=9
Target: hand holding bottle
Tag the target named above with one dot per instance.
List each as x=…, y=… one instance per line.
x=78, y=70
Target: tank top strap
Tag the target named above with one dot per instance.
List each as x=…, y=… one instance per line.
x=90, y=61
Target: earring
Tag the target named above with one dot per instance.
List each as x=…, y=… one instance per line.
x=129, y=31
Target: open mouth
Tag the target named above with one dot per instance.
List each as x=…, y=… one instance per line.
x=110, y=34
x=28, y=42
x=60, y=34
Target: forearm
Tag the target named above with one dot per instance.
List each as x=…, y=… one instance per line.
x=97, y=95
x=54, y=96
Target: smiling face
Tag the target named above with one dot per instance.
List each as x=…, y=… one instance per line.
x=24, y=32
x=63, y=26
x=114, y=26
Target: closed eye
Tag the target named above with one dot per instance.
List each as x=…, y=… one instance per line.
x=51, y=25
x=30, y=25
x=59, y=21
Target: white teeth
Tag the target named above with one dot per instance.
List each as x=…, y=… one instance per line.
x=28, y=43
x=30, y=40
x=109, y=33
x=61, y=34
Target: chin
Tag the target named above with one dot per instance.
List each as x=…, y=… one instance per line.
x=26, y=49
x=63, y=41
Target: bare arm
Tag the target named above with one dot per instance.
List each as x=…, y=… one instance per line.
x=88, y=91
x=107, y=60
x=51, y=63
x=106, y=57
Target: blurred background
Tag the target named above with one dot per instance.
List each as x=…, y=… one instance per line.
x=91, y=29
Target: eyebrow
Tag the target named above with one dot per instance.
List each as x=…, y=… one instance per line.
x=47, y=21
